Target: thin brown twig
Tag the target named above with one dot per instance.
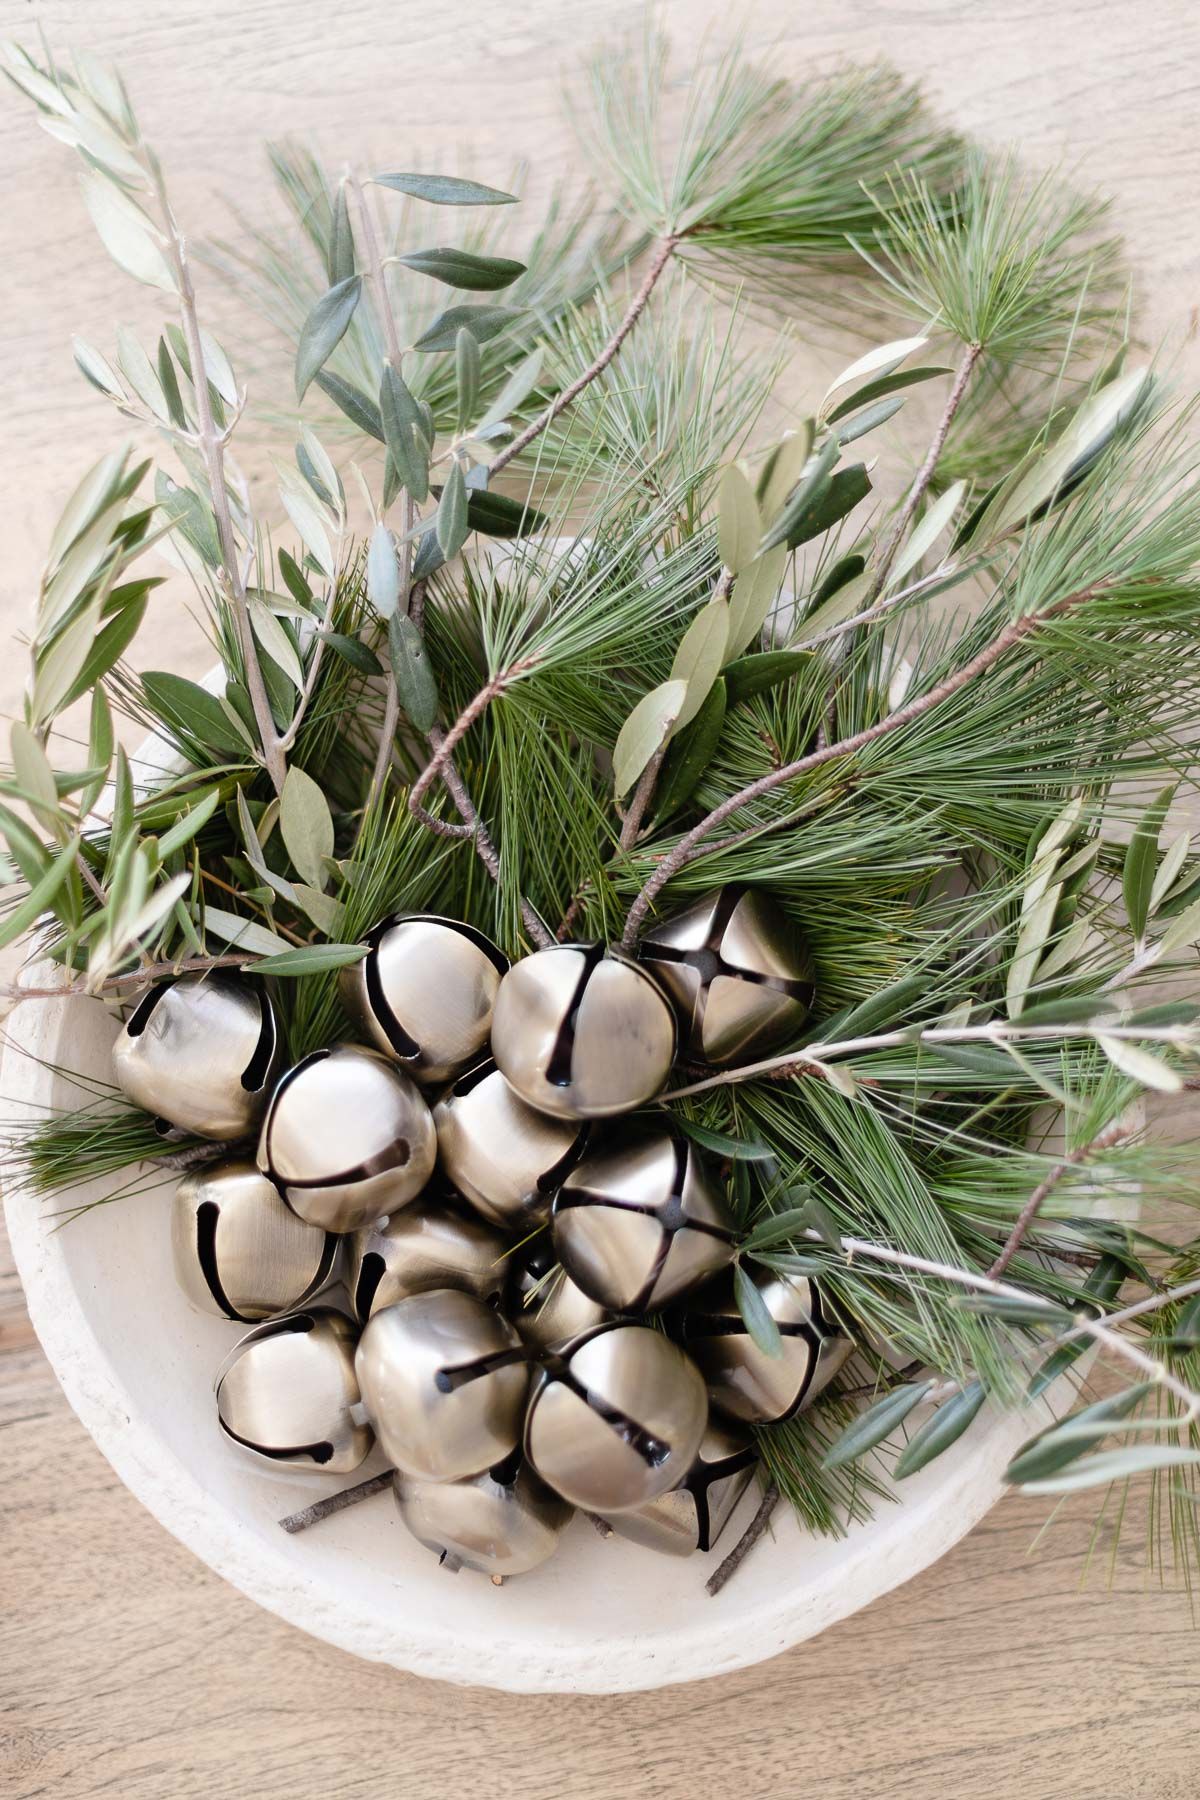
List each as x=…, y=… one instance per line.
x=336, y=1503
x=642, y=794
x=193, y=965
x=746, y=1542
x=1114, y=1134
x=572, y=391
x=449, y=740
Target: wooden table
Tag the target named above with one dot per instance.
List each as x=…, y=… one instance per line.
x=126, y=1668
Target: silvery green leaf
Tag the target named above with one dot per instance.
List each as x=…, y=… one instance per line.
x=927, y=532
x=466, y=376
x=302, y=511
x=739, y=525
x=784, y=467
x=1139, y=1064
x=876, y=1424
x=58, y=673
x=1027, y=952
x=218, y=369
x=452, y=513
x=645, y=732
x=101, y=743
x=355, y=653
x=383, y=572
x=722, y=1144
x=1063, y=1443
x=515, y=392
x=1137, y=878
x=759, y=673
x=463, y=269
x=415, y=683
x=815, y=478
x=191, y=517
x=876, y=362
x=828, y=503
x=311, y=959
x=99, y=142
x=93, y=367
x=307, y=825
x=185, y=707
x=843, y=604
x=1115, y=1465
x=189, y=823
x=40, y=897
x=31, y=767
x=403, y=430
x=700, y=655
x=324, y=329
x=1173, y=860
x=275, y=641
x=328, y=478
x=445, y=190
x=141, y=375
x=1095, y=424
x=93, y=496
x=1183, y=930
x=937, y=1434
x=126, y=232
x=340, y=265
x=495, y=515
x=358, y=407
x=761, y=1327
x=483, y=322
x=322, y=909
x=23, y=73
x=870, y=419
x=691, y=752
x=883, y=385
x=242, y=934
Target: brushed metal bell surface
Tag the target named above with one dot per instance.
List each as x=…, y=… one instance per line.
x=444, y=1380
x=743, y=1380
x=738, y=971
x=693, y=1515
x=286, y=1391
x=502, y=1155
x=641, y=1220
x=348, y=1138
x=618, y=1420
x=547, y=1308
x=503, y=1522
x=427, y=1244
x=239, y=1249
x=201, y=1053
x=583, y=1032
x=424, y=993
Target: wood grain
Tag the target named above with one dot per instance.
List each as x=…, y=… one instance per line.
x=126, y=1668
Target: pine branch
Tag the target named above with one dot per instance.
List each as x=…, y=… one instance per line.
x=1115, y=1134
x=925, y=473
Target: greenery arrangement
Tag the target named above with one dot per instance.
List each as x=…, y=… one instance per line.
x=601, y=643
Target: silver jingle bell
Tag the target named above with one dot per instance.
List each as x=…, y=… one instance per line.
x=694, y=1514
x=739, y=973
x=287, y=1391
x=640, y=1221
x=618, y=1421
x=239, y=1249
x=742, y=1379
x=424, y=992
x=545, y=1305
x=444, y=1380
x=425, y=1245
x=583, y=1032
x=503, y=1522
x=500, y=1154
x=347, y=1138
x=201, y=1053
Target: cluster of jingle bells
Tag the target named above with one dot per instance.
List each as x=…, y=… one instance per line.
x=501, y=1232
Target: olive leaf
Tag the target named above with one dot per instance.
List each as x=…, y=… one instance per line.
x=307, y=826
x=876, y=1424
x=700, y=655
x=41, y=895
x=311, y=959
x=466, y=376
x=811, y=486
x=191, y=712
x=938, y=1433
x=880, y=361
x=272, y=635
x=691, y=752
x=784, y=467
x=645, y=732
x=445, y=190
x=1139, y=1064
x=242, y=934
x=127, y=233
x=483, y=323
x=341, y=240
x=452, y=524
x=739, y=525
x=1137, y=878
x=383, y=573
x=1064, y=1442
x=463, y=269
x=927, y=532
x=415, y=683
x=757, y=674
x=755, y=592
x=761, y=1327
x=358, y=407
x=324, y=329
x=515, y=392
x=404, y=433
x=881, y=386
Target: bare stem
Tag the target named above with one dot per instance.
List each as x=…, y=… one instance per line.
x=194, y=965
x=212, y=447
x=925, y=473
x=632, y=822
x=746, y=1542
x=336, y=1503
x=1115, y=1134
x=572, y=391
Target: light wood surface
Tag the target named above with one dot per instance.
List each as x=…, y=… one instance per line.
x=126, y=1668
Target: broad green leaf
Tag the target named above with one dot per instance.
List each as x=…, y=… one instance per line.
x=186, y=708
x=874, y=1426
x=242, y=934
x=358, y=407
x=383, y=572
x=754, y=594
x=879, y=1011
x=757, y=1319
x=1094, y=425
x=403, y=431
x=739, y=525
x=1115, y=1465
x=877, y=389
x=355, y=653
x=870, y=419
x=1139, y=1064
x=483, y=322
x=721, y=1144
x=495, y=515
x=324, y=329
x=93, y=497
x=322, y=909
x=1018, y=1309
x=101, y=742
x=452, y=524
x=927, y=532
x=295, y=580
x=273, y=637
x=829, y=504
x=811, y=487
x=107, y=646
x=1137, y=879
x=94, y=368
x=700, y=655
x=445, y=190
x=302, y=510
x=784, y=467
x=880, y=361
x=31, y=766
x=845, y=601
x=1173, y=860
x=411, y=668
x=192, y=517
x=311, y=959
x=1063, y=1443
x=126, y=232
x=463, y=269
x=691, y=752
x=751, y=675
x=307, y=826
x=645, y=731
x=938, y=1433
x=466, y=376
x=40, y=897
x=515, y=392
x=340, y=265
